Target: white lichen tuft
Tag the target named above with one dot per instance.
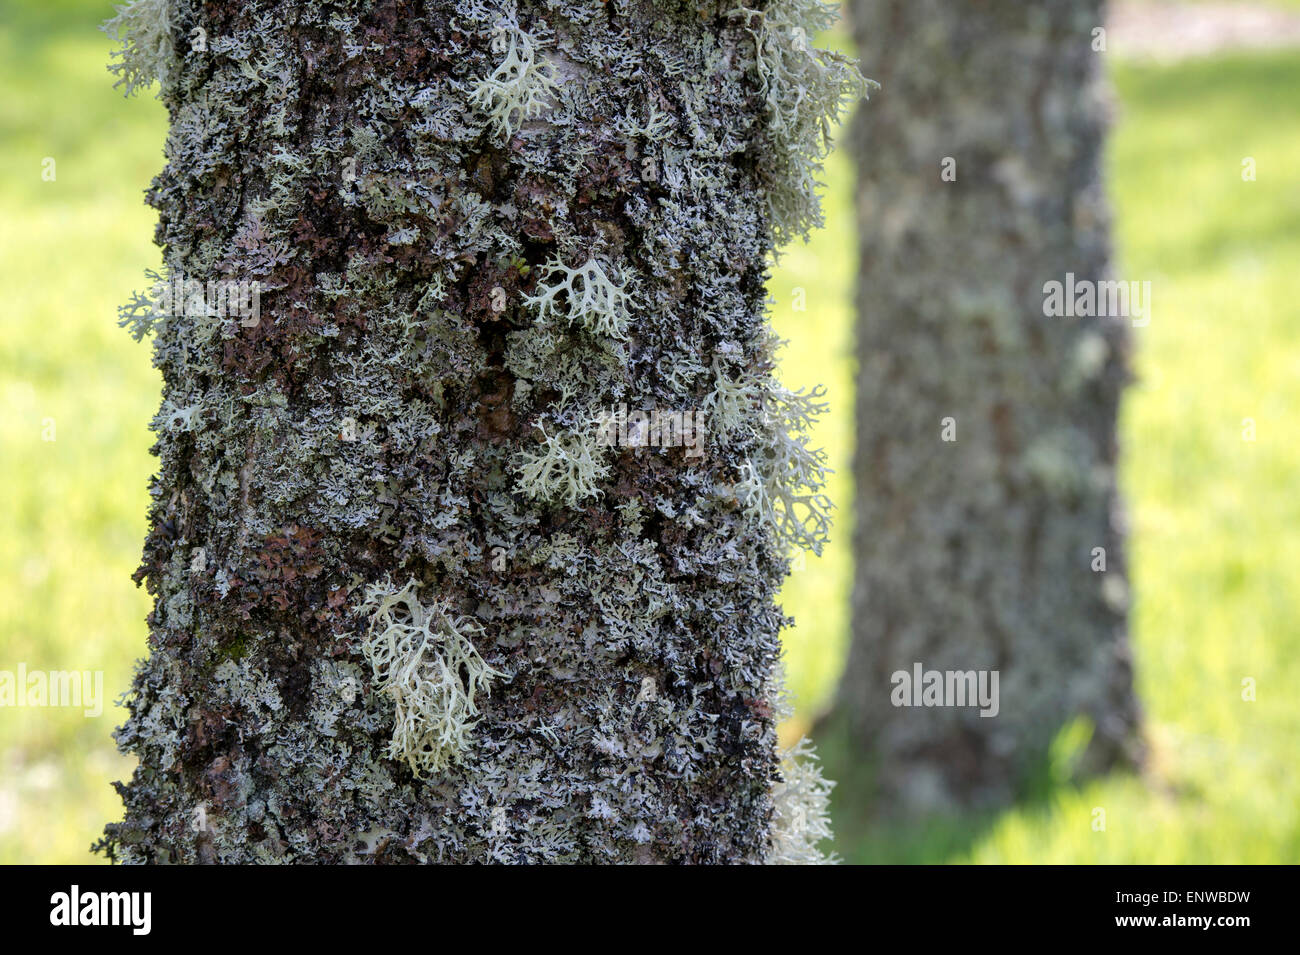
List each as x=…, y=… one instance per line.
x=801, y=816
x=516, y=90
x=422, y=659
x=654, y=128
x=782, y=482
x=147, y=53
x=793, y=472
x=591, y=297
x=730, y=406
x=778, y=694
x=806, y=89
x=567, y=468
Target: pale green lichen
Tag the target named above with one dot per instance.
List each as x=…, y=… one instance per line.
x=781, y=483
x=387, y=421
x=143, y=28
x=567, y=469
x=731, y=404
x=794, y=472
x=591, y=298
x=423, y=660
x=517, y=89
x=1052, y=461
x=654, y=128
x=806, y=88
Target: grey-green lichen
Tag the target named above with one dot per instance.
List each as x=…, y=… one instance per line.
x=147, y=53
x=592, y=298
x=567, y=468
x=516, y=91
x=781, y=480
x=806, y=89
x=476, y=228
x=422, y=658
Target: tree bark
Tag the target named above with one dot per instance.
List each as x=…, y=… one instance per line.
x=986, y=455
x=428, y=588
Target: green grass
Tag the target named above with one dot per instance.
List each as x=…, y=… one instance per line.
x=73, y=508
x=1214, y=565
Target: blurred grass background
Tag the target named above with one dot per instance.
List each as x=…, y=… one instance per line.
x=1215, y=566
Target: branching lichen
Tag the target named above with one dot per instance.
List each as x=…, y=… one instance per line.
x=801, y=817
x=516, y=90
x=476, y=231
x=806, y=89
x=143, y=28
x=568, y=468
x=654, y=128
x=422, y=659
x=592, y=299
x=794, y=472
x=781, y=482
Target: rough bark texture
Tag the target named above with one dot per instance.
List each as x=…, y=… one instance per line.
x=976, y=553
x=409, y=607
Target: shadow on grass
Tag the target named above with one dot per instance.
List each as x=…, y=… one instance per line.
x=866, y=834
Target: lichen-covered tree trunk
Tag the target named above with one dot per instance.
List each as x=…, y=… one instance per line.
x=986, y=455
x=476, y=483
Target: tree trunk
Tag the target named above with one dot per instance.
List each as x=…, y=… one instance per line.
x=986, y=455
x=429, y=586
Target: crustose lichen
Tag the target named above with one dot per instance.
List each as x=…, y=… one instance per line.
x=422, y=659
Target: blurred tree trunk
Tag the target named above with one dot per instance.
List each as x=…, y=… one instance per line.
x=986, y=455
x=410, y=603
